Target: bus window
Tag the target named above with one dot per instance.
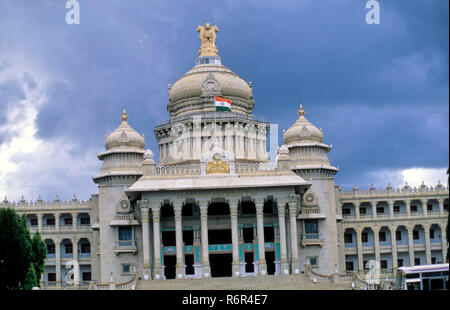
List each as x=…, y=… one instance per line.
x=413, y=286
x=437, y=284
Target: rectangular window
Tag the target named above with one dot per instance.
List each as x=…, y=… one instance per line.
x=430, y=207
x=125, y=233
x=382, y=235
x=417, y=261
x=85, y=221
x=398, y=235
x=362, y=210
x=380, y=210
x=400, y=262
x=313, y=261
x=85, y=248
x=396, y=209
x=416, y=235
x=365, y=237
x=433, y=260
x=348, y=238
x=349, y=266
x=51, y=276
x=414, y=208
x=365, y=265
x=312, y=227
x=51, y=222
x=431, y=233
x=126, y=269
x=346, y=211
x=33, y=222
x=384, y=264
x=67, y=221
x=68, y=248
x=86, y=276
x=50, y=249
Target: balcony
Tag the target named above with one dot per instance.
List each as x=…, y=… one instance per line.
x=124, y=220
x=417, y=213
x=399, y=214
x=66, y=227
x=48, y=227
x=84, y=227
x=84, y=255
x=125, y=246
x=311, y=213
x=349, y=216
x=311, y=239
x=66, y=255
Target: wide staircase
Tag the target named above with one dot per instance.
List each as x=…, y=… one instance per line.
x=273, y=282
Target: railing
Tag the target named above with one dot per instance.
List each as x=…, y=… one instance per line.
x=417, y=213
x=66, y=255
x=383, y=215
x=48, y=227
x=399, y=214
x=366, y=215
x=362, y=192
x=349, y=216
x=313, y=210
x=191, y=169
x=317, y=277
x=210, y=116
x=124, y=217
x=66, y=227
x=255, y=167
x=84, y=255
x=314, y=236
x=84, y=227
x=360, y=283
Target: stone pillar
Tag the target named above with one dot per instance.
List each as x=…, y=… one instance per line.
x=284, y=266
x=58, y=260
x=40, y=216
x=444, y=241
x=233, y=204
x=145, y=241
x=206, y=269
x=57, y=221
x=441, y=207
x=408, y=207
x=426, y=229
x=180, y=269
x=74, y=220
x=357, y=204
x=424, y=206
x=157, y=242
x=391, y=208
x=76, y=277
x=411, y=246
x=374, y=209
x=376, y=237
x=294, y=243
x=262, y=267
x=359, y=249
x=393, y=230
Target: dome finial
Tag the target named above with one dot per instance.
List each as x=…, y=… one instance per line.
x=124, y=116
x=301, y=112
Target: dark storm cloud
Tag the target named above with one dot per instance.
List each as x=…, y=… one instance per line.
x=380, y=92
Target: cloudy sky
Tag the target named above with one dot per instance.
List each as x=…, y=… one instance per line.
x=379, y=92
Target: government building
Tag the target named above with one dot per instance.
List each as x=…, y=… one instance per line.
x=214, y=206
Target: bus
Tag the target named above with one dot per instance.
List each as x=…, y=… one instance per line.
x=424, y=277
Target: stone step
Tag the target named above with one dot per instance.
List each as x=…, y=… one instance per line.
x=291, y=282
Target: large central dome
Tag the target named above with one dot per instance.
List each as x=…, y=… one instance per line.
x=194, y=92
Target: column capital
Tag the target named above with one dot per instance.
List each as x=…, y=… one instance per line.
x=177, y=203
x=259, y=201
x=156, y=213
x=145, y=214
x=155, y=204
x=203, y=203
x=233, y=201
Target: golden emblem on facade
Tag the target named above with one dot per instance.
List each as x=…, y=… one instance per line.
x=217, y=166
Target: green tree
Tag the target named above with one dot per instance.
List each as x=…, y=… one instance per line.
x=39, y=254
x=18, y=260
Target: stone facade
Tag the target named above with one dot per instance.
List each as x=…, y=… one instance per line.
x=215, y=206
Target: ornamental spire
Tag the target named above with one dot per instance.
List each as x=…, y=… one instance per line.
x=301, y=112
x=124, y=116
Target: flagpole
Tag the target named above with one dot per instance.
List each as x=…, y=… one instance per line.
x=214, y=122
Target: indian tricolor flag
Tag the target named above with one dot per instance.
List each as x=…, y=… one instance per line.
x=222, y=104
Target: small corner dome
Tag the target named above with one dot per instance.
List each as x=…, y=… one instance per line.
x=124, y=137
x=302, y=131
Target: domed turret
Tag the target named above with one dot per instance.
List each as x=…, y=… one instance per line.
x=124, y=137
x=302, y=131
x=123, y=156
x=306, y=148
